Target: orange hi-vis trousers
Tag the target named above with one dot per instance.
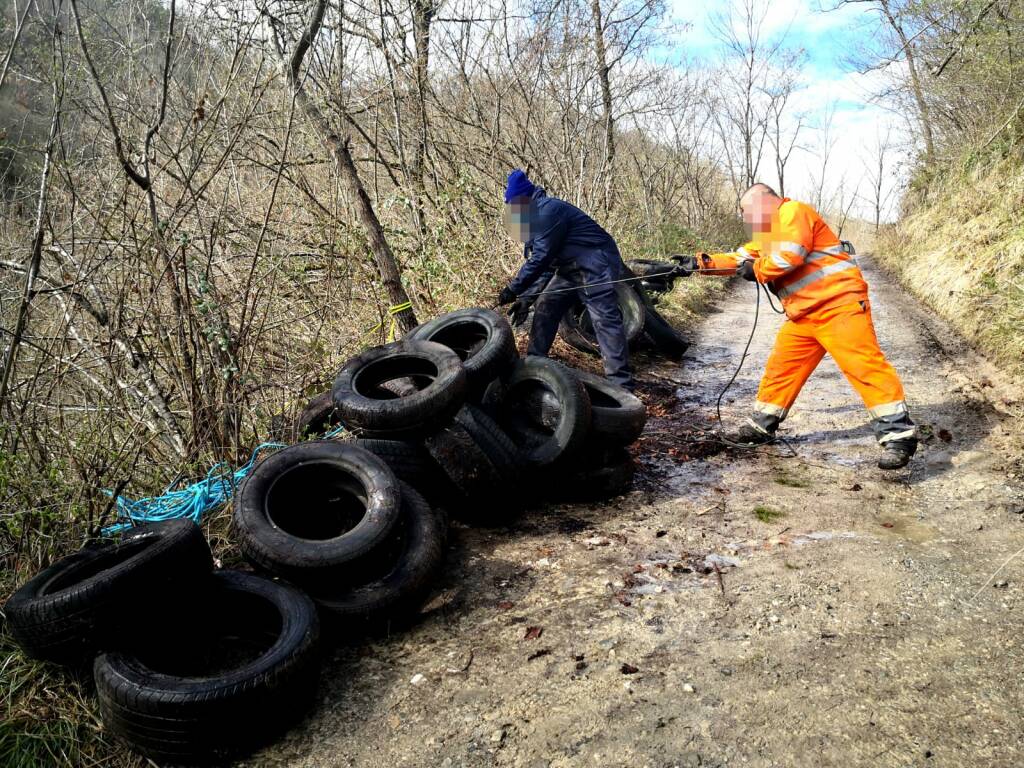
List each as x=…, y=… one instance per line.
x=847, y=334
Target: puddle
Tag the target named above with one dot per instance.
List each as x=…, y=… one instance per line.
x=783, y=540
x=709, y=355
x=836, y=437
x=909, y=529
x=842, y=461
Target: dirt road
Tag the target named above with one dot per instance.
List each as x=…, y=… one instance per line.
x=742, y=609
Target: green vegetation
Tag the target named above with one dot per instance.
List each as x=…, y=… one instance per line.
x=767, y=514
x=959, y=242
x=962, y=252
x=792, y=482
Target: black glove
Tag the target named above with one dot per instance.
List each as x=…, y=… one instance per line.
x=686, y=265
x=746, y=270
x=517, y=312
x=506, y=297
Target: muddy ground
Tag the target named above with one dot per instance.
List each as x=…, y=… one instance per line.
x=857, y=618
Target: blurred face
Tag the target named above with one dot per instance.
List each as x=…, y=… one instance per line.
x=517, y=216
x=759, y=209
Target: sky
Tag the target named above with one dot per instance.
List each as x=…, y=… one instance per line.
x=828, y=79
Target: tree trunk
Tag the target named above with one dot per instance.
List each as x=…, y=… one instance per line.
x=423, y=14
x=387, y=265
x=35, y=254
x=603, y=71
x=915, y=84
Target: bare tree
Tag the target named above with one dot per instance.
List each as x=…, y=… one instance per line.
x=339, y=146
x=784, y=128
x=906, y=48
x=757, y=72
x=877, y=173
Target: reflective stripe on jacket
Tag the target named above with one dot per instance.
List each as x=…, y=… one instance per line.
x=803, y=261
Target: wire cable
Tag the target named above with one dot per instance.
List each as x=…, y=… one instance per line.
x=720, y=438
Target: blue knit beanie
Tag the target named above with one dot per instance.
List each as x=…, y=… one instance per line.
x=518, y=185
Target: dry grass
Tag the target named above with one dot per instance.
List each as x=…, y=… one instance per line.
x=963, y=254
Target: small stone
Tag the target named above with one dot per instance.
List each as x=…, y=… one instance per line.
x=418, y=679
x=773, y=619
x=1002, y=584
x=498, y=736
x=447, y=763
x=687, y=688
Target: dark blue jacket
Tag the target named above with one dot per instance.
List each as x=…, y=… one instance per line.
x=564, y=237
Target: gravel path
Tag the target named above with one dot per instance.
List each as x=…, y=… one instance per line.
x=858, y=619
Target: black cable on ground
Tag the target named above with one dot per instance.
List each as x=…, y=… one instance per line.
x=719, y=436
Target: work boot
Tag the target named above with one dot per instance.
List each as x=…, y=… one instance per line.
x=897, y=454
x=748, y=434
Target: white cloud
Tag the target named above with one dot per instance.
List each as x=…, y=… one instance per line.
x=827, y=84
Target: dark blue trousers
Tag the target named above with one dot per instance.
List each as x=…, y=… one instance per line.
x=603, y=307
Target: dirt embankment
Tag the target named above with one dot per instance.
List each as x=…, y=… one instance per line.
x=752, y=609
x=962, y=253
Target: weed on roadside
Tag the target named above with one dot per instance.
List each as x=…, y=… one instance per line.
x=767, y=514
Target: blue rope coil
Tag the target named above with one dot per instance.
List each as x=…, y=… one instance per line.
x=194, y=501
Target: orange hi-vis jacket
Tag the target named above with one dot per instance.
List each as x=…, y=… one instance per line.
x=801, y=260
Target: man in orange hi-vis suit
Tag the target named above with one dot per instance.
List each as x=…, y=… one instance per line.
x=795, y=253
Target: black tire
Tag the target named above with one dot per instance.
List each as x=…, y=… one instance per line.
x=317, y=511
x=481, y=338
x=409, y=460
x=541, y=445
x=413, y=464
x=318, y=417
x=185, y=696
x=663, y=336
x=577, y=331
x=76, y=607
x=366, y=404
x=596, y=483
x=651, y=267
x=468, y=467
x=657, y=286
x=398, y=594
x=616, y=414
x=493, y=440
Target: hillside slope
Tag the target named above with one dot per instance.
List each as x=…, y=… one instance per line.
x=962, y=253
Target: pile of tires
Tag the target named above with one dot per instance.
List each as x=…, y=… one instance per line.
x=459, y=417
x=191, y=665
x=196, y=666
x=645, y=326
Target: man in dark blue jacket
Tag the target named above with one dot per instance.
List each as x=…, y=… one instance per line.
x=570, y=249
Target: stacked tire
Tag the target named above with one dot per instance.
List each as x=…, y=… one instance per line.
x=191, y=665
x=415, y=405
x=572, y=429
x=334, y=519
